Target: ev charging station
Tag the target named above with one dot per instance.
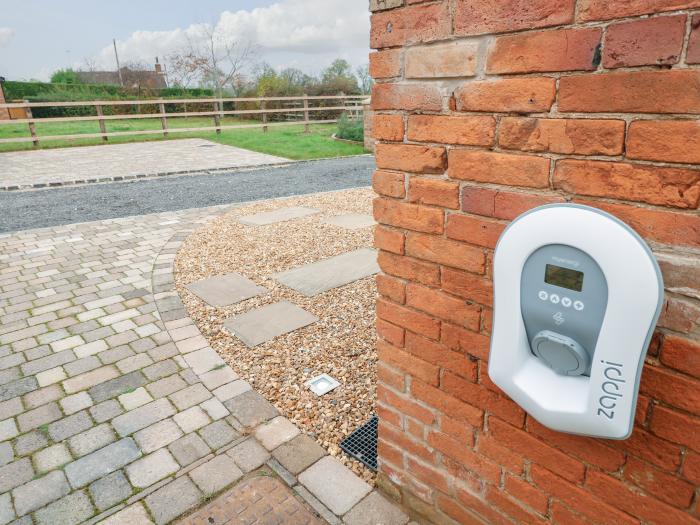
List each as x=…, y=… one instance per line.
x=577, y=296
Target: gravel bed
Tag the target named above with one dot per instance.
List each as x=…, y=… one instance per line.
x=341, y=343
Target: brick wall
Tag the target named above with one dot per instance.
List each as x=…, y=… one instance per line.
x=485, y=109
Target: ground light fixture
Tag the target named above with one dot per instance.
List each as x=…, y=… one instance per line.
x=322, y=384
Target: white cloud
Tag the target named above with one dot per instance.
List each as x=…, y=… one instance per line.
x=6, y=34
x=306, y=33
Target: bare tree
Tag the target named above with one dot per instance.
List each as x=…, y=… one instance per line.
x=216, y=59
x=366, y=81
x=89, y=64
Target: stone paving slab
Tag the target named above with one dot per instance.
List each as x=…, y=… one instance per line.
x=312, y=279
x=115, y=162
x=267, y=322
x=351, y=221
x=275, y=216
x=225, y=290
x=325, y=477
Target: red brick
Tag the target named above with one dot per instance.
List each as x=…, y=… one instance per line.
x=393, y=378
x=606, y=10
x=693, y=55
x=560, y=513
x=466, y=130
x=680, y=315
x=401, y=316
x=407, y=97
x=391, y=333
x=466, y=341
x=666, y=487
x=681, y=354
x=534, y=449
x=479, y=396
x=480, y=201
x=632, y=92
x=434, y=192
x=567, y=136
x=527, y=493
x=410, y=157
x=415, y=428
x=559, y=50
x=667, y=227
x=664, y=140
x=471, y=287
x=653, y=41
x=504, y=503
x=590, y=450
x=405, y=405
x=385, y=64
x=389, y=183
x=453, y=59
x=391, y=288
x=474, y=230
x=509, y=460
x=674, y=389
x=409, y=268
x=499, y=168
x=675, y=426
x=474, y=17
x=518, y=95
x=578, y=499
x=390, y=416
x=617, y=180
x=432, y=477
x=408, y=363
x=402, y=441
x=458, y=430
x=445, y=251
x=445, y=403
x=443, y=306
x=652, y=449
x=691, y=467
x=389, y=453
x=408, y=216
x=441, y=356
x=508, y=205
x=412, y=24
x=389, y=240
x=388, y=127
x=635, y=503
x=642, y=413
x=470, y=460
x=476, y=504
x=681, y=273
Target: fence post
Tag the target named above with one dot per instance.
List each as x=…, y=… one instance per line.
x=217, y=119
x=306, y=113
x=101, y=121
x=32, y=127
x=163, y=119
x=263, y=106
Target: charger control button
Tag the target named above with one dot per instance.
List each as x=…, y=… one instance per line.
x=543, y=295
x=554, y=298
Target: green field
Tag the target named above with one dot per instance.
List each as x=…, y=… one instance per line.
x=285, y=141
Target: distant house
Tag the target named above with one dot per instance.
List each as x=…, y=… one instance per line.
x=132, y=78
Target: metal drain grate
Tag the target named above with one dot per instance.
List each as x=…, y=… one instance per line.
x=362, y=444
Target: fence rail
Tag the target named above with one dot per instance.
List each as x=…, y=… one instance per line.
x=348, y=103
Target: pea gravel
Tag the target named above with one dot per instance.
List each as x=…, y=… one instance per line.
x=341, y=343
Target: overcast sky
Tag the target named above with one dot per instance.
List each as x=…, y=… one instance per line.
x=40, y=36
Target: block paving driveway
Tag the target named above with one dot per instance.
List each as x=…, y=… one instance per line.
x=114, y=409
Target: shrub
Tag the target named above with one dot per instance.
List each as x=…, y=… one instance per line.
x=350, y=129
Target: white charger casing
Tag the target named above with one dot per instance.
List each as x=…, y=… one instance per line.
x=603, y=403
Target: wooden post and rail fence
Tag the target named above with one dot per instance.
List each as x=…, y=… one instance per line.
x=307, y=106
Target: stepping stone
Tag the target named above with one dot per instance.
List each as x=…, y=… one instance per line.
x=321, y=276
x=225, y=290
x=268, y=322
x=281, y=215
x=351, y=221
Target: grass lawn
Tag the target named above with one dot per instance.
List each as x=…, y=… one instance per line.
x=285, y=141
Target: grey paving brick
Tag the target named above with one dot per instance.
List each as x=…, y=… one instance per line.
x=91, y=440
x=232, y=389
x=275, y=216
x=11, y=408
x=8, y=429
x=216, y=474
x=39, y=416
x=52, y=457
x=218, y=377
x=71, y=510
x=76, y=403
x=102, y=462
x=375, y=508
x=110, y=490
x=163, y=352
x=134, y=363
x=11, y=360
x=249, y=455
x=90, y=379
x=42, y=396
x=189, y=449
x=31, y=442
x=324, y=477
x=218, y=434
x=267, y=322
x=251, y=409
x=273, y=433
x=117, y=386
x=204, y=360
x=299, y=453
x=158, y=435
x=225, y=290
x=106, y=410
x=7, y=513
x=191, y=419
x=80, y=366
x=69, y=426
x=161, y=369
x=190, y=396
x=10, y=375
x=6, y=453
x=17, y=388
x=166, y=386
x=143, y=417
x=39, y=492
x=115, y=355
x=15, y=474
x=151, y=468
x=173, y=500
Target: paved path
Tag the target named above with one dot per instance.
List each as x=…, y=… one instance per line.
x=116, y=161
x=113, y=408
x=50, y=207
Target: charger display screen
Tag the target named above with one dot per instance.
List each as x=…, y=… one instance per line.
x=563, y=277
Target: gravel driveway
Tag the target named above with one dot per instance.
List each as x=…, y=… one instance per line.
x=52, y=207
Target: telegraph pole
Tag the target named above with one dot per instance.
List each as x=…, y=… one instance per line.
x=116, y=56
